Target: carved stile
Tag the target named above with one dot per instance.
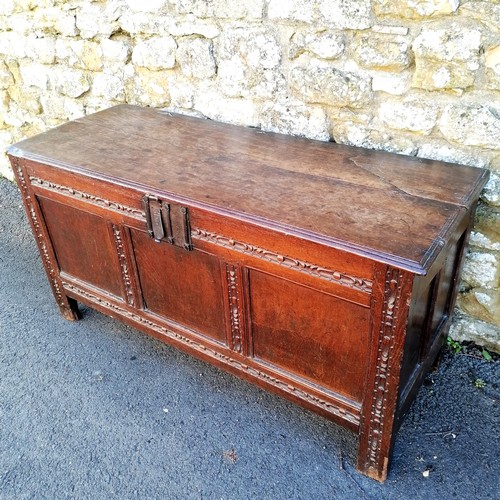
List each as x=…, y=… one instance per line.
x=51, y=269
x=127, y=281
x=232, y=273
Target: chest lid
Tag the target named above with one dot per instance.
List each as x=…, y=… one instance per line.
x=392, y=208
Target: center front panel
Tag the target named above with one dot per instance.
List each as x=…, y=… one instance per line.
x=183, y=286
x=310, y=334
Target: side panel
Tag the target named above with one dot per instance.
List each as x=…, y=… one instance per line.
x=433, y=300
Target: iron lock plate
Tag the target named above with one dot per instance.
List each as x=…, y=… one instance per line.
x=167, y=221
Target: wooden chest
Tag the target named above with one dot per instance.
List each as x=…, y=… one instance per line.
x=324, y=273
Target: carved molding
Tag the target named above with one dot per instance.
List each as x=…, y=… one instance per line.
x=51, y=270
x=360, y=284
x=299, y=393
x=127, y=281
x=232, y=275
x=392, y=296
x=90, y=198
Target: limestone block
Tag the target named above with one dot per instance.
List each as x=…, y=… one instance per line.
x=466, y=328
x=7, y=7
x=81, y=54
x=59, y=108
x=115, y=53
x=146, y=23
x=391, y=83
x=146, y=87
x=25, y=5
x=327, y=85
x=486, y=231
x=34, y=74
x=446, y=56
x=441, y=75
x=481, y=270
x=491, y=192
x=217, y=107
x=55, y=21
x=22, y=23
x=190, y=25
x=415, y=9
x=291, y=10
x=12, y=44
x=380, y=51
x=295, y=119
x=258, y=45
x=492, y=65
x=223, y=9
x=359, y=134
x=324, y=44
x=94, y=19
x=238, y=9
x=199, y=8
x=4, y=108
x=495, y=161
x=472, y=124
x=42, y=50
x=149, y=6
x=487, y=12
x=155, y=53
x=482, y=304
x=109, y=86
x=195, y=57
x=249, y=62
x=94, y=103
x=17, y=116
x=181, y=93
x=439, y=149
x=6, y=78
x=69, y=82
x=24, y=104
x=413, y=114
x=346, y=14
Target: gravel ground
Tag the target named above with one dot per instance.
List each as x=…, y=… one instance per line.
x=95, y=409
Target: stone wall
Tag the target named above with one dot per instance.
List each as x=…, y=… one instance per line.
x=418, y=77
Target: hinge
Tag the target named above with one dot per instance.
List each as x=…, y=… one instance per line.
x=167, y=222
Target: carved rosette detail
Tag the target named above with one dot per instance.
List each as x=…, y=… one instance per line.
x=360, y=284
x=90, y=198
x=392, y=295
x=127, y=281
x=299, y=393
x=53, y=274
x=234, y=306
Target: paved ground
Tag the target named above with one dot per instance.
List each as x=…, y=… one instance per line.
x=96, y=409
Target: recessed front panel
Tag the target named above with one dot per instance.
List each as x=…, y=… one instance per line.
x=183, y=286
x=83, y=245
x=310, y=333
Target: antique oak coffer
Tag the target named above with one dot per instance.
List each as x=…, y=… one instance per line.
x=324, y=273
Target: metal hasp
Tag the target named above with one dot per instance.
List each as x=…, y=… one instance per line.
x=167, y=222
